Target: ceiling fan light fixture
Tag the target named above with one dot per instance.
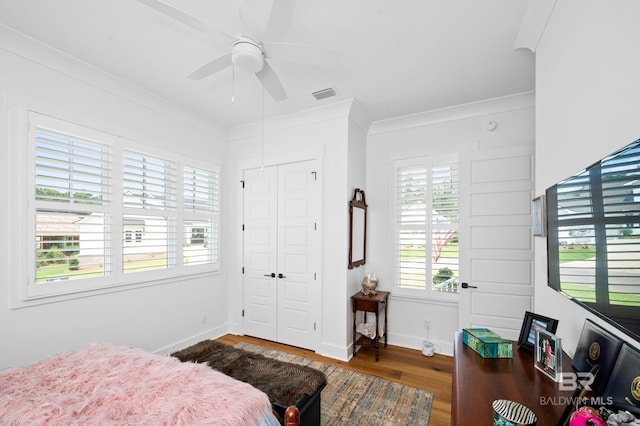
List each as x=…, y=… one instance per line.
x=247, y=55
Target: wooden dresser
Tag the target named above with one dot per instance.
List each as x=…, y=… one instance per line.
x=477, y=382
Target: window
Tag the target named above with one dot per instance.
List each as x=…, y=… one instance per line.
x=201, y=216
x=105, y=211
x=426, y=226
x=149, y=205
x=71, y=203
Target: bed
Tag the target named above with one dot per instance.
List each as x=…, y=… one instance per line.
x=108, y=385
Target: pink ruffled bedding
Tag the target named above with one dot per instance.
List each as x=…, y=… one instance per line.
x=110, y=385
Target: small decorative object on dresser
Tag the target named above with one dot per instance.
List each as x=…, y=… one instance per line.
x=487, y=343
x=511, y=413
x=528, y=332
x=548, y=354
x=369, y=284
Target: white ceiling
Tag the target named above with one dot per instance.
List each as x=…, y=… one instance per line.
x=397, y=57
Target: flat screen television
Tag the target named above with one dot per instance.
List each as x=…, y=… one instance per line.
x=593, y=238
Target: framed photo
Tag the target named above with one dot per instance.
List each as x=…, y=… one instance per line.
x=548, y=354
x=532, y=322
x=539, y=226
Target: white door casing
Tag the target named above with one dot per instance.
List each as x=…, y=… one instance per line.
x=496, y=240
x=281, y=237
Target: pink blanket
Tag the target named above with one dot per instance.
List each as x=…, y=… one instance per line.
x=118, y=385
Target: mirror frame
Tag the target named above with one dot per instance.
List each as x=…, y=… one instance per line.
x=358, y=202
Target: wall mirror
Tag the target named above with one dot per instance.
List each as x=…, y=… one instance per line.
x=357, y=229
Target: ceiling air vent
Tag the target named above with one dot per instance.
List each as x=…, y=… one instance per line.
x=324, y=93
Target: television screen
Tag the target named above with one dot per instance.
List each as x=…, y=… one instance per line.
x=593, y=238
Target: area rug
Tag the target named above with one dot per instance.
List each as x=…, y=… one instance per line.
x=352, y=398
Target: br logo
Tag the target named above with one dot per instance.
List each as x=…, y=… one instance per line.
x=570, y=381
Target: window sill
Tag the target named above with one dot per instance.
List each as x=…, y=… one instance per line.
x=425, y=299
x=17, y=302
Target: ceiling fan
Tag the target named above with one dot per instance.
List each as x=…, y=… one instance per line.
x=247, y=51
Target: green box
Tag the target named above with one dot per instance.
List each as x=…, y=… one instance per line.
x=487, y=343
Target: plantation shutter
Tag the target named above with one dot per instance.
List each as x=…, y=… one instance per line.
x=72, y=195
x=201, y=205
x=150, y=217
x=412, y=225
x=426, y=224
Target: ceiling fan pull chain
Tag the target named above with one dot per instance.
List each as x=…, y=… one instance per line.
x=262, y=137
x=233, y=83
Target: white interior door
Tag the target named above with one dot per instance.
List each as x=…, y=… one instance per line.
x=496, y=252
x=281, y=249
x=260, y=252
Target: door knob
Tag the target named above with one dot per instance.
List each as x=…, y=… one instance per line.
x=272, y=275
x=466, y=285
x=281, y=276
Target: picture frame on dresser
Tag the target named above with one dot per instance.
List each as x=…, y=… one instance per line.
x=548, y=354
x=531, y=322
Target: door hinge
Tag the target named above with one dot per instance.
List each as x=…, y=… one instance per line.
x=243, y=226
x=315, y=276
x=242, y=182
x=314, y=326
x=243, y=269
x=243, y=313
x=315, y=226
x=315, y=175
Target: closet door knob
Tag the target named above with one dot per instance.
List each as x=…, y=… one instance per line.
x=466, y=285
x=281, y=276
x=272, y=275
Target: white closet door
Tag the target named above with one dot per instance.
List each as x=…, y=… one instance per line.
x=495, y=228
x=281, y=248
x=298, y=292
x=260, y=252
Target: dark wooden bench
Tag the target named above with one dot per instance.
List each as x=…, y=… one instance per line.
x=286, y=384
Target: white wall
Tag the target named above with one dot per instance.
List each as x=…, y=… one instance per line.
x=587, y=91
x=420, y=135
x=155, y=318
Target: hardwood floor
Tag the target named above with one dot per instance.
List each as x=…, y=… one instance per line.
x=406, y=366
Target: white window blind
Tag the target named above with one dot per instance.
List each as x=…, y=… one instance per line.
x=72, y=195
x=148, y=184
x=101, y=207
x=426, y=225
x=201, y=216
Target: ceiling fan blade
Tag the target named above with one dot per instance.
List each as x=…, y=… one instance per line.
x=271, y=83
x=212, y=67
x=188, y=20
x=279, y=19
x=302, y=54
x=254, y=15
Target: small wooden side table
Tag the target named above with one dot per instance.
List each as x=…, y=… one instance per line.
x=370, y=303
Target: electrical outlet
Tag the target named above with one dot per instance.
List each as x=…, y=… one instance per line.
x=427, y=324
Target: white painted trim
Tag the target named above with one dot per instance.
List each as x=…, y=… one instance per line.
x=20, y=45
x=473, y=109
x=534, y=24
x=212, y=334
x=290, y=121
x=340, y=353
x=411, y=342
